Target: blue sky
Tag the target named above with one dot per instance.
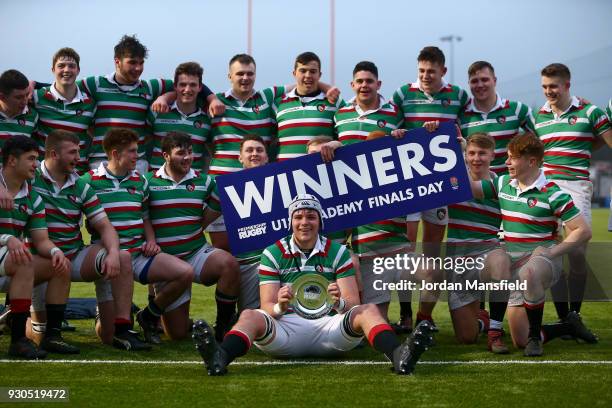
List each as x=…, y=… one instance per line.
x=518, y=38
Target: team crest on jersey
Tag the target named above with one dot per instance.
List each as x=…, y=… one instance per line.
x=381, y=123
x=531, y=202
x=21, y=122
x=190, y=187
x=572, y=120
x=197, y=124
x=78, y=112
x=256, y=109
x=321, y=108
x=131, y=190
x=501, y=119
x=23, y=208
x=446, y=102
x=454, y=183
x=441, y=213
x=319, y=268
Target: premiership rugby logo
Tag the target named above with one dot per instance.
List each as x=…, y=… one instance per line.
x=190, y=187
x=381, y=123
x=446, y=102
x=572, y=120
x=78, y=112
x=319, y=268
x=321, y=108
x=441, y=213
x=531, y=202
x=256, y=109
x=131, y=190
x=23, y=208
x=197, y=124
x=501, y=119
x=454, y=183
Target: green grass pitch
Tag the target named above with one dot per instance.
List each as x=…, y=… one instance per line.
x=450, y=375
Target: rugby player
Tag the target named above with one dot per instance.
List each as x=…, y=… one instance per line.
x=489, y=113
x=570, y=128
x=19, y=269
x=63, y=105
x=531, y=206
x=472, y=232
x=279, y=332
x=124, y=194
x=183, y=116
x=67, y=198
x=123, y=99
x=182, y=202
x=426, y=103
x=16, y=118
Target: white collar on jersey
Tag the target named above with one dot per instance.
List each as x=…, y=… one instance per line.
x=230, y=93
x=418, y=85
x=176, y=108
x=575, y=102
x=23, y=192
x=72, y=177
x=103, y=171
x=58, y=97
x=305, y=99
x=125, y=88
x=294, y=249
x=540, y=182
x=161, y=173
x=361, y=112
x=499, y=103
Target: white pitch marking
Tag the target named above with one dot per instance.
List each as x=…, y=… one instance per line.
x=305, y=362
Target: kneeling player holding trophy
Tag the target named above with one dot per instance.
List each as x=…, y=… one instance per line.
x=309, y=305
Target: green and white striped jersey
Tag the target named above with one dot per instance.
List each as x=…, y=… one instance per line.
x=56, y=112
x=301, y=119
x=255, y=115
x=28, y=212
x=121, y=106
x=502, y=123
x=23, y=124
x=125, y=202
x=568, y=138
x=420, y=107
x=65, y=207
x=176, y=210
x=530, y=216
x=283, y=262
x=196, y=125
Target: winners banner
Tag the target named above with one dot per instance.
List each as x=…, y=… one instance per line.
x=366, y=182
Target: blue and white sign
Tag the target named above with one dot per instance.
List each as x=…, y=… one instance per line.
x=366, y=182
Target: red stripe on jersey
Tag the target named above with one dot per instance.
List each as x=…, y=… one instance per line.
x=568, y=154
x=567, y=138
x=427, y=119
x=530, y=222
x=119, y=125
x=344, y=269
x=267, y=273
x=123, y=108
x=241, y=125
x=470, y=228
x=62, y=127
x=176, y=205
x=539, y=239
x=309, y=124
x=476, y=210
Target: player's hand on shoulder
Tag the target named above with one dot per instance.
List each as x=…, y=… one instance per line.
x=6, y=199
x=216, y=108
x=332, y=94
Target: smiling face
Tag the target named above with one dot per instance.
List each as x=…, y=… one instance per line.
x=430, y=76
x=307, y=77
x=65, y=71
x=478, y=158
x=187, y=88
x=242, y=77
x=482, y=85
x=366, y=86
x=66, y=156
x=14, y=102
x=556, y=89
x=126, y=158
x=253, y=154
x=305, y=225
x=128, y=69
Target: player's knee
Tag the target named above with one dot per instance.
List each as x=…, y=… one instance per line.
x=125, y=264
x=467, y=337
